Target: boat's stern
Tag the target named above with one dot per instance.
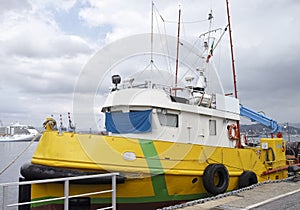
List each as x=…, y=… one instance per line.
x=273, y=156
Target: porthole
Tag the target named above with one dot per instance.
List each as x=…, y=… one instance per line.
x=194, y=180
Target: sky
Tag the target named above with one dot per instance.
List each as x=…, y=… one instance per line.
x=46, y=45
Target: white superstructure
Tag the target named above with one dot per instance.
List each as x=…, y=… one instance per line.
x=197, y=118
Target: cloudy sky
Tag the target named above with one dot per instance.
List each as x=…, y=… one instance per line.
x=45, y=45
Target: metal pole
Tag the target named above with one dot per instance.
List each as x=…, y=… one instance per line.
x=113, y=193
x=288, y=130
x=4, y=207
x=152, y=35
x=66, y=194
x=177, y=51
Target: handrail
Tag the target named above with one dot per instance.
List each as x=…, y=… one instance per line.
x=66, y=196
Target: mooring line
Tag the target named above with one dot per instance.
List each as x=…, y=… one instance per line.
x=19, y=155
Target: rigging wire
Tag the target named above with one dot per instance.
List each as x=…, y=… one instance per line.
x=168, y=62
x=20, y=154
x=186, y=22
x=210, y=18
x=168, y=51
x=220, y=48
x=165, y=47
x=191, y=50
x=193, y=46
x=171, y=21
x=183, y=31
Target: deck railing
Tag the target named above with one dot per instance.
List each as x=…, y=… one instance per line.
x=66, y=197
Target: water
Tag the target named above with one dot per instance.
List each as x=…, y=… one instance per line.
x=8, y=152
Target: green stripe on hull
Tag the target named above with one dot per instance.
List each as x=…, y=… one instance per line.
x=157, y=172
x=136, y=200
x=158, y=179
x=151, y=199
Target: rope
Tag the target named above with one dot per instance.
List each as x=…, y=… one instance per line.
x=19, y=155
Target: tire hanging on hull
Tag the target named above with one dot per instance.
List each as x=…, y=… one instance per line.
x=216, y=179
x=247, y=178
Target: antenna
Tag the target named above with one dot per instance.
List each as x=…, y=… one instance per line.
x=151, y=59
x=210, y=18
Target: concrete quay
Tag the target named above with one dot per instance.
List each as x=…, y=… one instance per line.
x=275, y=196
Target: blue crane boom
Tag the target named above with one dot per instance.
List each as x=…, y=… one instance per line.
x=257, y=117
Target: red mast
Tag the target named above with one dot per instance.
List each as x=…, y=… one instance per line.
x=233, y=72
x=232, y=56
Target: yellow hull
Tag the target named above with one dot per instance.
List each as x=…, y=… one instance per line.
x=154, y=170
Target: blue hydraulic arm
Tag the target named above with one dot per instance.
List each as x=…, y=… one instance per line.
x=256, y=117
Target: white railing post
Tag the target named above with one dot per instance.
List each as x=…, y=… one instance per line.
x=66, y=195
x=113, y=193
x=4, y=207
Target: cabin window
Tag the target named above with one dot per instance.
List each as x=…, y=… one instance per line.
x=212, y=128
x=166, y=119
x=129, y=122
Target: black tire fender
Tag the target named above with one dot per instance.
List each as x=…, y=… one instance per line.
x=215, y=179
x=246, y=179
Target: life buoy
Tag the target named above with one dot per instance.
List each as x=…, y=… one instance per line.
x=216, y=179
x=233, y=133
x=247, y=178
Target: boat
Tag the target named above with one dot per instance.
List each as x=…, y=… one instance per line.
x=169, y=144
x=17, y=132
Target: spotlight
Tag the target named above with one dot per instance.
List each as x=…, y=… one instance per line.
x=116, y=79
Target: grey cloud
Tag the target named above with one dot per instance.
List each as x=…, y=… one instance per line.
x=14, y=5
x=28, y=46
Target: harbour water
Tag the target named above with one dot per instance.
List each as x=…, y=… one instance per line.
x=8, y=153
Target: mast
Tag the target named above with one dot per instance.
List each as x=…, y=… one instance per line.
x=239, y=145
x=231, y=50
x=177, y=53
